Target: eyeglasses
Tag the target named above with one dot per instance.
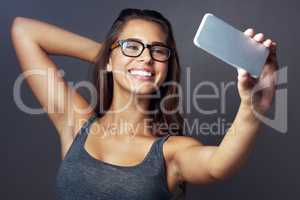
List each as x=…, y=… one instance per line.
x=134, y=48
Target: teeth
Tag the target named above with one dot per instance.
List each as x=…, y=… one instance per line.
x=140, y=73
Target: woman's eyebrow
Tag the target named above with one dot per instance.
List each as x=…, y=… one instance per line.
x=159, y=43
x=152, y=43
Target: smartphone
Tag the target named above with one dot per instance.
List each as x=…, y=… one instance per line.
x=229, y=44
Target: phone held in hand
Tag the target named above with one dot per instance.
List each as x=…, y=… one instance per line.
x=230, y=45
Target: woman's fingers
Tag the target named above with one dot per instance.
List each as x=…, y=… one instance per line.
x=249, y=32
x=267, y=43
x=259, y=37
x=242, y=72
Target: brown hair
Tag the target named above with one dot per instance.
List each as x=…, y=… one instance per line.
x=103, y=80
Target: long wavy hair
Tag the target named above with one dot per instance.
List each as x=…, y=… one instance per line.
x=103, y=79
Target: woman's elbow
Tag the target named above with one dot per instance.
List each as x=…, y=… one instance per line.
x=20, y=26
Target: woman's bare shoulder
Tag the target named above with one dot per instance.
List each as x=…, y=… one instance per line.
x=179, y=142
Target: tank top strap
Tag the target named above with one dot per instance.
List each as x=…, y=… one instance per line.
x=80, y=136
x=162, y=140
x=159, y=147
x=159, y=162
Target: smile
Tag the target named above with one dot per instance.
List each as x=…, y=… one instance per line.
x=141, y=74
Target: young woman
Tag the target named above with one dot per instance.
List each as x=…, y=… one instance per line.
x=136, y=59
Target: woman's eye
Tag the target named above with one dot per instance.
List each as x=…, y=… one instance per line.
x=159, y=51
x=132, y=47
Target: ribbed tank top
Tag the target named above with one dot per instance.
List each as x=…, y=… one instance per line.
x=83, y=177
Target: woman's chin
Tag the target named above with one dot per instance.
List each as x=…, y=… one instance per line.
x=142, y=86
x=143, y=90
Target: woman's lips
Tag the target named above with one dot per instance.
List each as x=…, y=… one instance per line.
x=141, y=77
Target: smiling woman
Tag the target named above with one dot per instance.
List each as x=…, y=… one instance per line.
x=137, y=56
x=136, y=61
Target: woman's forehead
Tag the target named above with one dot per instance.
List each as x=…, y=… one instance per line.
x=143, y=30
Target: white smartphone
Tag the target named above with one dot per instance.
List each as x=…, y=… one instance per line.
x=230, y=45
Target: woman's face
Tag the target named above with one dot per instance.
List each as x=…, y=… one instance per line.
x=129, y=72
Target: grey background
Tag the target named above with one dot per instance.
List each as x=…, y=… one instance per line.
x=29, y=145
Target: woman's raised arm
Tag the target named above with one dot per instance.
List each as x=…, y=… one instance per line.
x=33, y=41
x=55, y=40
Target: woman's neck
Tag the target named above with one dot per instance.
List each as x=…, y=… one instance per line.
x=128, y=111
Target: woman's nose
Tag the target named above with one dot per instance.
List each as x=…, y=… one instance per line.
x=145, y=56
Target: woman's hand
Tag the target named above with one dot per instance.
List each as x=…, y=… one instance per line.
x=261, y=100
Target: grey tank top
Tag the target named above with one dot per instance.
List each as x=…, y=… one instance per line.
x=81, y=176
